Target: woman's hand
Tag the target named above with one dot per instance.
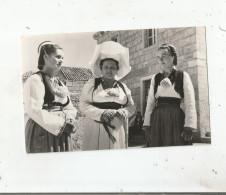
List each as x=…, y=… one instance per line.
x=70, y=125
x=187, y=134
x=108, y=115
x=122, y=114
x=145, y=128
x=147, y=135
x=69, y=128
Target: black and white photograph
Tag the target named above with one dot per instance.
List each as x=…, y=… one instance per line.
x=115, y=90
x=123, y=96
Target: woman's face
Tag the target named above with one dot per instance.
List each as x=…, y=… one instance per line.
x=109, y=69
x=165, y=59
x=53, y=62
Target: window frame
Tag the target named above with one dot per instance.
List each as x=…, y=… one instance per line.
x=142, y=91
x=146, y=38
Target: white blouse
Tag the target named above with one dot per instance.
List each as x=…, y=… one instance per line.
x=100, y=95
x=34, y=92
x=116, y=95
x=169, y=91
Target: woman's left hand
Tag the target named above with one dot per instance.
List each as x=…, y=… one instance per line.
x=108, y=115
x=122, y=114
x=69, y=128
x=187, y=134
x=72, y=123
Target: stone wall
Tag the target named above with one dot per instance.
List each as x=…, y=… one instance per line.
x=75, y=89
x=191, y=48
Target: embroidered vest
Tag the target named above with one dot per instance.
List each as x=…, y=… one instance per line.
x=176, y=76
x=49, y=93
x=98, y=81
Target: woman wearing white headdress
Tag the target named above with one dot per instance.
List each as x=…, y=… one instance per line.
x=107, y=102
x=48, y=105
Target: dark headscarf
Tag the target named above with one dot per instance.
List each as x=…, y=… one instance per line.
x=171, y=49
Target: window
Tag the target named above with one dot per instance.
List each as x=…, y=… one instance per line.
x=149, y=37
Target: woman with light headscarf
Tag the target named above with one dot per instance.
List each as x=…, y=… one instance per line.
x=165, y=122
x=48, y=105
x=106, y=102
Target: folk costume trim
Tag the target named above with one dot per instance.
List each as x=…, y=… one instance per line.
x=176, y=77
x=49, y=92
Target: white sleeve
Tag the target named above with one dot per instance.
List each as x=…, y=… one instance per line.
x=189, y=103
x=150, y=103
x=130, y=105
x=34, y=92
x=70, y=110
x=85, y=102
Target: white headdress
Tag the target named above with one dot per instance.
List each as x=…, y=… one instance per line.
x=114, y=50
x=44, y=43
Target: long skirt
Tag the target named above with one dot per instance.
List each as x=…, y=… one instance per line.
x=95, y=136
x=39, y=140
x=167, y=122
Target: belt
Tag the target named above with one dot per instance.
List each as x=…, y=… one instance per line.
x=108, y=105
x=52, y=108
x=168, y=101
x=106, y=125
x=55, y=106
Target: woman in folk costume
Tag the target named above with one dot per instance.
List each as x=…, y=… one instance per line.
x=107, y=102
x=48, y=105
x=166, y=122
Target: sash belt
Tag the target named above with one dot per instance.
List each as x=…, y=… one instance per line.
x=108, y=105
x=168, y=101
x=106, y=125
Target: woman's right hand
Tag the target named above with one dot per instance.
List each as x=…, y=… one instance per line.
x=108, y=115
x=69, y=128
x=187, y=134
x=145, y=128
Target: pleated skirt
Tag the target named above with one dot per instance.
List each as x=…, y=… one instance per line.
x=167, y=122
x=38, y=140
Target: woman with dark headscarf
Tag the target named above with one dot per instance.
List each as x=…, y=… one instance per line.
x=166, y=122
x=48, y=105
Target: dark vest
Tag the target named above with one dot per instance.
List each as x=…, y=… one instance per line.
x=98, y=81
x=176, y=76
x=49, y=93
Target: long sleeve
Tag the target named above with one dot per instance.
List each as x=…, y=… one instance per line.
x=150, y=103
x=130, y=105
x=70, y=110
x=85, y=102
x=189, y=103
x=34, y=92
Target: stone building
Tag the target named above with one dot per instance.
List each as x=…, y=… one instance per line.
x=26, y=75
x=143, y=44
x=73, y=78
